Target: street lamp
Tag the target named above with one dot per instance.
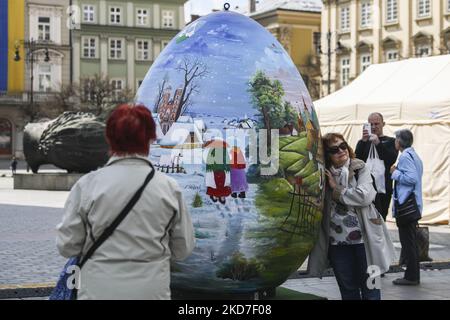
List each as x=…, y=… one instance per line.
x=330, y=52
x=32, y=46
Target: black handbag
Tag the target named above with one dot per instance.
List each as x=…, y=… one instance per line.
x=408, y=211
x=423, y=244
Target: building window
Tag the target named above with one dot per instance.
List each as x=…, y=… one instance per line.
x=391, y=11
x=88, y=93
x=143, y=50
x=116, y=49
x=317, y=36
x=366, y=14
x=345, y=71
x=345, y=19
x=117, y=87
x=89, y=47
x=115, y=15
x=366, y=61
x=424, y=8
x=423, y=50
x=44, y=28
x=142, y=17
x=5, y=137
x=88, y=13
x=44, y=78
x=168, y=19
x=164, y=44
x=392, y=55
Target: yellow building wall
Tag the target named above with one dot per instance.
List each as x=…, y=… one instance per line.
x=301, y=45
x=16, y=33
x=302, y=26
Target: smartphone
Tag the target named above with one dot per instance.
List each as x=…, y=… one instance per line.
x=367, y=127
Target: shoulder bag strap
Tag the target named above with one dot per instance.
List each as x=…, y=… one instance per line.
x=109, y=230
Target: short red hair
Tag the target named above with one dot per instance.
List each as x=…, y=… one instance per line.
x=130, y=129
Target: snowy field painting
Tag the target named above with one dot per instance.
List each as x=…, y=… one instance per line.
x=237, y=130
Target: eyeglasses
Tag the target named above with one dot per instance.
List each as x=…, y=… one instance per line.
x=335, y=149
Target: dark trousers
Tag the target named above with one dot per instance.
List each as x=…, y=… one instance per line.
x=350, y=269
x=408, y=240
x=382, y=202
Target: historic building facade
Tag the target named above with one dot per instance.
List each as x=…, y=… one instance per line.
x=46, y=24
x=363, y=32
x=117, y=39
x=11, y=72
x=38, y=48
x=121, y=39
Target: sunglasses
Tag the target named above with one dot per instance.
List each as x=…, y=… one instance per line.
x=335, y=149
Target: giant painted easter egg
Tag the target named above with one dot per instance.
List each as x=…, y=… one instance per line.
x=238, y=131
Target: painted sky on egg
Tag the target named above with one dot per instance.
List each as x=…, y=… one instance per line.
x=234, y=48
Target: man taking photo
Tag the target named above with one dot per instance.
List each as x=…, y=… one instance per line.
x=385, y=147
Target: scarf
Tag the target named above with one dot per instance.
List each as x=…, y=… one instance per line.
x=341, y=174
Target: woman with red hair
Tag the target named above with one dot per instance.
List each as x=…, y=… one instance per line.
x=134, y=261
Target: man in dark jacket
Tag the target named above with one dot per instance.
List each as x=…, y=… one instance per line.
x=13, y=165
x=385, y=147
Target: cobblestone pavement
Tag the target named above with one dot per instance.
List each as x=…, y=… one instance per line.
x=435, y=285
x=28, y=252
x=27, y=243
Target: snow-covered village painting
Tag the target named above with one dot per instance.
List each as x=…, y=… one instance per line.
x=238, y=131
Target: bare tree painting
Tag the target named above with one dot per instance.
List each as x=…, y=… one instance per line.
x=161, y=89
x=192, y=70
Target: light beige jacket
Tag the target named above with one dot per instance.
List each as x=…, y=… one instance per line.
x=359, y=195
x=134, y=262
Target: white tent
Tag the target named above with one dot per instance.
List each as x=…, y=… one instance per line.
x=412, y=94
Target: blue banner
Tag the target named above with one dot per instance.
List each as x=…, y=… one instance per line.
x=3, y=45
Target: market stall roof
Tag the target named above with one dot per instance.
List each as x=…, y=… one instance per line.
x=413, y=89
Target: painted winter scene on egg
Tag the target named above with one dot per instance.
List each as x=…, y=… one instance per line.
x=237, y=130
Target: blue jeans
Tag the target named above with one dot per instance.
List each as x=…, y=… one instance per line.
x=350, y=269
